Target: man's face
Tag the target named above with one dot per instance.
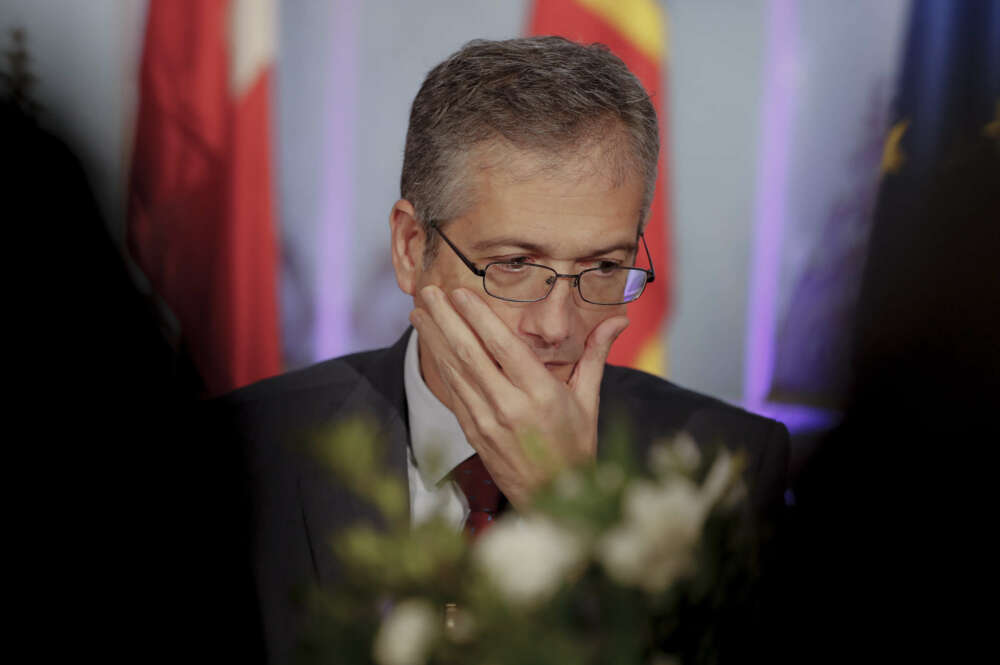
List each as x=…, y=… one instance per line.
x=569, y=220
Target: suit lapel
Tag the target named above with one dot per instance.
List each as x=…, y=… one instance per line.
x=385, y=375
x=328, y=507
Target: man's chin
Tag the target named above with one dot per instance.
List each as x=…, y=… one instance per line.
x=560, y=370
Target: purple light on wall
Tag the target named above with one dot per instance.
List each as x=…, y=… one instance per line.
x=778, y=103
x=335, y=231
x=780, y=88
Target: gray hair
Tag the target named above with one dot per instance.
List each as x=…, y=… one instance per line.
x=545, y=95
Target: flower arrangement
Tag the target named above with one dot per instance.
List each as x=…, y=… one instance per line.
x=610, y=566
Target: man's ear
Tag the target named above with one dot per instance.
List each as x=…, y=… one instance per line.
x=408, y=241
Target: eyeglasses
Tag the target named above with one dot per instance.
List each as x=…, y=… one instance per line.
x=517, y=281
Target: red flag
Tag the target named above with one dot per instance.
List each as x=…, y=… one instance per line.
x=201, y=211
x=633, y=30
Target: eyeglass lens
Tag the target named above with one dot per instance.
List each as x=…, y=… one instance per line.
x=528, y=283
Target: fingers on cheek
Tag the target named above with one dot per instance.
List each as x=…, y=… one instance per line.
x=501, y=348
x=417, y=318
x=465, y=355
x=463, y=396
x=449, y=378
x=431, y=334
x=470, y=408
x=448, y=375
x=464, y=416
x=466, y=394
x=461, y=413
x=426, y=327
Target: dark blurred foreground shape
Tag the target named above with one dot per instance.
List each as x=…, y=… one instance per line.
x=130, y=519
x=894, y=511
x=889, y=558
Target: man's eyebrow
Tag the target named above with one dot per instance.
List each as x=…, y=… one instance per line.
x=512, y=242
x=629, y=247
x=533, y=248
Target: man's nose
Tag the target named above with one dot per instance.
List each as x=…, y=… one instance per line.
x=551, y=319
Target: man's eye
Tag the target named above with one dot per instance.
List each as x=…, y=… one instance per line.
x=606, y=267
x=516, y=264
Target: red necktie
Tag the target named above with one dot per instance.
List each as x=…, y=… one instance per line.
x=484, y=497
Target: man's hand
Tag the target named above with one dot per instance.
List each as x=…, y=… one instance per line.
x=524, y=423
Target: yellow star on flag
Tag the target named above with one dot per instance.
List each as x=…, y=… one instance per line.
x=892, y=154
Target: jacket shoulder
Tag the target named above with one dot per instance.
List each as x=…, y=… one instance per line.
x=301, y=400
x=654, y=409
x=647, y=392
x=319, y=377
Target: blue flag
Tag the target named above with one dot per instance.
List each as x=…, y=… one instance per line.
x=948, y=96
x=931, y=276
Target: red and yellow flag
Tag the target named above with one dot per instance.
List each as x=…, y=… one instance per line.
x=201, y=220
x=634, y=30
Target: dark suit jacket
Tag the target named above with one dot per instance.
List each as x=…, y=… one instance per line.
x=297, y=504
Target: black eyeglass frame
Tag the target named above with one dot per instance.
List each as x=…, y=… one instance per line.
x=481, y=272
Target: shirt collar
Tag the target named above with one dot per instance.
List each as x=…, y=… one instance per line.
x=436, y=439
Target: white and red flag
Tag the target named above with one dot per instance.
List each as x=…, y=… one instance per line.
x=201, y=213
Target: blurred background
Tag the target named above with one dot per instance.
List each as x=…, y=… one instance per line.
x=778, y=124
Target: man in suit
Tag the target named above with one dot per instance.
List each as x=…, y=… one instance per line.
x=527, y=179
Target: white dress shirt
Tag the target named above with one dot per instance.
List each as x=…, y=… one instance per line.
x=437, y=445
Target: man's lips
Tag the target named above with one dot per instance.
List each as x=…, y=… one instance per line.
x=549, y=365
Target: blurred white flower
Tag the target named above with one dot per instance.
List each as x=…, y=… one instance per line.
x=528, y=559
x=723, y=485
x=655, y=543
x=670, y=511
x=407, y=633
x=678, y=456
x=623, y=554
